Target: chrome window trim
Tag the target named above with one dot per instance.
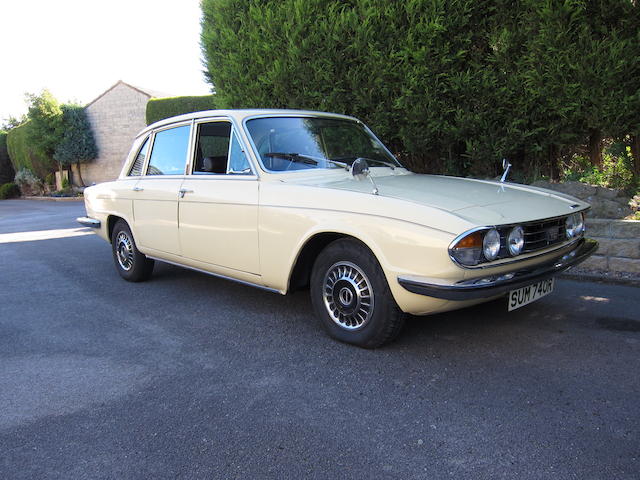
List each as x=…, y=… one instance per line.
x=152, y=141
x=336, y=116
x=518, y=258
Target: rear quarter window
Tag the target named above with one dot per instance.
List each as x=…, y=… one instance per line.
x=138, y=163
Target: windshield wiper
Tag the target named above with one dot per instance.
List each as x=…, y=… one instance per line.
x=306, y=159
x=370, y=160
x=294, y=157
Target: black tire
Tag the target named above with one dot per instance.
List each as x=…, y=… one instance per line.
x=351, y=297
x=132, y=265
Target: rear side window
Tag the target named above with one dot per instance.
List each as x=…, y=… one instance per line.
x=212, y=148
x=169, y=153
x=138, y=163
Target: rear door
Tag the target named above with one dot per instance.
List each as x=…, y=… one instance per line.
x=155, y=204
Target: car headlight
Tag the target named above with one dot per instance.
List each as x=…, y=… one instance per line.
x=491, y=244
x=515, y=241
x=574, y=225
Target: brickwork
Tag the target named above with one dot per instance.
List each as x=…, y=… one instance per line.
x=116, y=117
x=619, y=245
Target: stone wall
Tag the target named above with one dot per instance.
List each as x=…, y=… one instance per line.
x=605, y=202
x=116, y=117
x=619, y=246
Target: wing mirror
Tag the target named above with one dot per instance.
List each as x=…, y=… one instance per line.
x=505, y=167
x=359, y=168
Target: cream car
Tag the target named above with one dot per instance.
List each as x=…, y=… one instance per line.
x=285, y=200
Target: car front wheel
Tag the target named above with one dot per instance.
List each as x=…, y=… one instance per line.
x=132, y=265
x=351, y=297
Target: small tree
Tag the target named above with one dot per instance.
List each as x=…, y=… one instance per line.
x=45, y=131
x=77, y=144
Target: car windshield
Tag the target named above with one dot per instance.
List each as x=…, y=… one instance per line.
x=295, y=143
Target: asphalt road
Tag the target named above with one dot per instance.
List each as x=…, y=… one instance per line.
x=189, y=376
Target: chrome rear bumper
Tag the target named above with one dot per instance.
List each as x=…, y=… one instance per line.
x=495, y=285
x=88, y=222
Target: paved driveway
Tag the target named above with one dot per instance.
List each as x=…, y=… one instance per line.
x=188, y=376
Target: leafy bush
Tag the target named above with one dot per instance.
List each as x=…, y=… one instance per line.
x=29, y=184
x=449, y=86
x=45, y=118
x=77, y=144
x=6, y=169
x=22, y=153
x=9, y=190
x=161, y=108
x=616, y=170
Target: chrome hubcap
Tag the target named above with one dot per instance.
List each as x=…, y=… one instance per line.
x=347, y=295
x=124, y=251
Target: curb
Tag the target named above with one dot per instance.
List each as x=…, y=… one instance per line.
x=53, y=199
x=582, y=276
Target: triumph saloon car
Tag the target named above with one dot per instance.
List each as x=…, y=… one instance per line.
x=285, y=200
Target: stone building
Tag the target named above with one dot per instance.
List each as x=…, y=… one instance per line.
x=116, y=117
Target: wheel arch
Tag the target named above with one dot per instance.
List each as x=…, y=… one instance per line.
x=300, y=272
x=111, y=223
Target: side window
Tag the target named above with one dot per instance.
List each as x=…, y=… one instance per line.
x=218, y=151
x=169, y=152
x=138, y=163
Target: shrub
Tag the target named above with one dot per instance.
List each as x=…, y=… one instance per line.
x=161, y=108
x=9, y=190
x=6, y=169
x=616, y=170
x=450, y=86
x=77, y=144
x=29, y=184
x=23, y=155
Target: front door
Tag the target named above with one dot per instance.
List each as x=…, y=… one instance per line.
x=218, y=212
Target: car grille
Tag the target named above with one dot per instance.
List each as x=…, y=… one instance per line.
x=544, y=234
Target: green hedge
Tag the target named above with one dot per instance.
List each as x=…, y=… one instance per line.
x=161, y=108
x=450, y=86
x=9, y=190
x=6, y=169
x=22, y=154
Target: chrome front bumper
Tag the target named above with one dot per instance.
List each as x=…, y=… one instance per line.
x=88, y=222
x=495, y=285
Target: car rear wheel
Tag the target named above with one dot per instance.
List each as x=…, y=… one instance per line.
x=351, y=297
x=132, y=265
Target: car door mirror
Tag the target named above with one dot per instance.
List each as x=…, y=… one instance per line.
x=359, y=168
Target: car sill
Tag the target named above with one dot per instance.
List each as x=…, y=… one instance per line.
x=218, y=275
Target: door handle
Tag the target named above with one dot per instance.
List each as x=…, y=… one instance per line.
x=183, y=191
x=137, y=189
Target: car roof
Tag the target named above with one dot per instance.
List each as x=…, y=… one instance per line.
x=241, y=115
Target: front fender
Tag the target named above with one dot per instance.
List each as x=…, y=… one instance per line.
x=400, y=247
